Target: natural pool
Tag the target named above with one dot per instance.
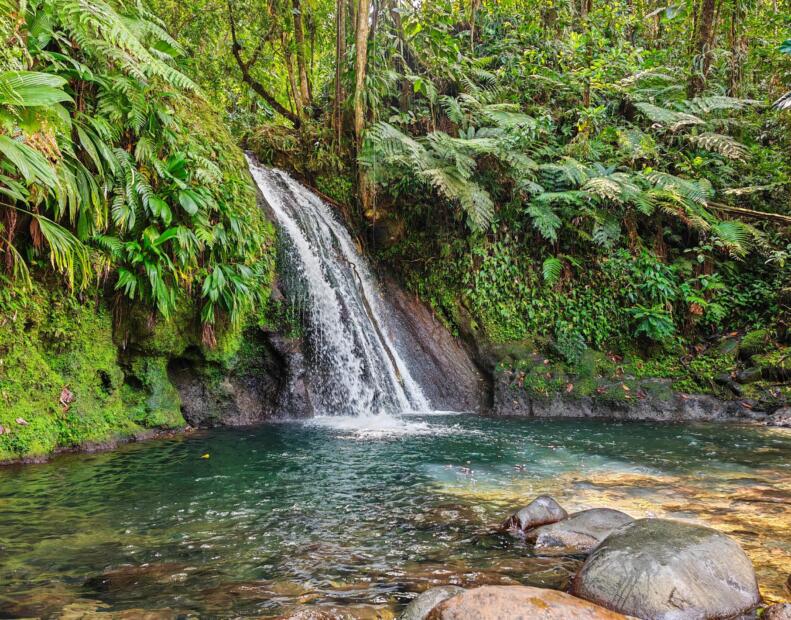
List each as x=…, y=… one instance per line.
x=360, y=515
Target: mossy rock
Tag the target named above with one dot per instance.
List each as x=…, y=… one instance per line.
x=775, y=366
x=755, y=342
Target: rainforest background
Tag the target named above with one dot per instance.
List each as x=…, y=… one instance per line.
x=580, y=190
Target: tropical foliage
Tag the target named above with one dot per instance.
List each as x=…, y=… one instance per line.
x=112, y=167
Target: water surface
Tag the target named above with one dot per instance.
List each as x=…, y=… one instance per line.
x=342, y=515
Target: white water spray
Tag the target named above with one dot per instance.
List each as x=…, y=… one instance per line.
x=356, y=369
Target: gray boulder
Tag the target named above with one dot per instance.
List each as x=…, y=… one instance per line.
x=541, y=511
x=420, y=607
x=580, y=533
x=658, y=569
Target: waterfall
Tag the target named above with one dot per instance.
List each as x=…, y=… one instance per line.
x=354, y=363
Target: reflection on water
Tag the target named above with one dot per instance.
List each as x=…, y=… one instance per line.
x=361, y=514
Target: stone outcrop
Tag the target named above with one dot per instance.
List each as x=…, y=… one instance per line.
x=664, y=406
x=448, y=376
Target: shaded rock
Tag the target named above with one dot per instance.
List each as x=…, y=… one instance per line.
x=518, y=603
x=781, y=417
x=541, y=511
x=420, y=607
x=580, y=533
x=750, y=375
x=781, y=611
x=659, y=569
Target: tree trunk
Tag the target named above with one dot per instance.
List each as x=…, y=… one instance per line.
x=296, y=93
x=361, y=55
x=474, y=5
x=299, y=39
x=340, y=59
x=244, y=67
x=737, y=43
x=702, y=47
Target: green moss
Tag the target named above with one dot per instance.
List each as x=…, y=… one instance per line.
x=61, y=383
x=755, y=342
x=160, y=405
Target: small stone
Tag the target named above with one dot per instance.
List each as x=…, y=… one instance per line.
x=22, y=422
x=420, y=607
x=580, y=533
x=541, y=511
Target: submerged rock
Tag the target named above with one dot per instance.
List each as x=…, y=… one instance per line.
x=420, y=607
x=541, y=511
x=781, y=417
x=580, y=533
x=659, y=569
x=518, y=602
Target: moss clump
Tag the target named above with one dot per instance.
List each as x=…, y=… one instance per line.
x=755, y=342
x=61, y=383
x=159, y=406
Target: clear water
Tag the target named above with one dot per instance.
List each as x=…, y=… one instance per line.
x=360, y=514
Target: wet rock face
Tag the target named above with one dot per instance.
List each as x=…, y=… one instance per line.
x=449, y=378
x=580, y=533
x=263, y=382
x=541, y=511
x=518, y=603
x=420, y=607
x=659, y=569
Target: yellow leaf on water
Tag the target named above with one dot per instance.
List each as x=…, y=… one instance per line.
x=205, y=456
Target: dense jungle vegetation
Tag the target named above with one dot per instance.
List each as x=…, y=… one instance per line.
x=574, y=177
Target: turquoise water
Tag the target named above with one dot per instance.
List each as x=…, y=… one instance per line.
x=360, y=515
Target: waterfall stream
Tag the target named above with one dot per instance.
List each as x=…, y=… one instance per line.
x=355, y=365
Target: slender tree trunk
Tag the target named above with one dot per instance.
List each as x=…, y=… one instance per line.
x=340, y=59
x=474, y=6
x=738, y=48
x=702, y=47
x=296, y=93
x=244, y=67
x=299, y=39
x=361, y=55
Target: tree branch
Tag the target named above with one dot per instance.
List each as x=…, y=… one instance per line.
x=257, y=87
x=757, y=215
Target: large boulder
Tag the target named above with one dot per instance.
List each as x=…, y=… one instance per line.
x=658, y=569
x=541, y=511
x=580, y=533
x=420, y=607
x=518, y=603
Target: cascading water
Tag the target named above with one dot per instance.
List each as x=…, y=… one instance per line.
x=356, y=368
